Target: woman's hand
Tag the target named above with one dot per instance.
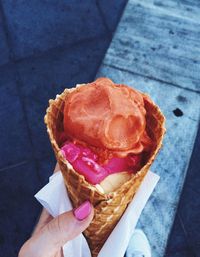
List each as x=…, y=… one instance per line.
x=51, y=233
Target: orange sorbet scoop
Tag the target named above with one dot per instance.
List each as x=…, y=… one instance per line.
x=107, y=115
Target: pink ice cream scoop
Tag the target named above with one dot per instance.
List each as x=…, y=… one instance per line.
x=130, y=163
x=85, y=162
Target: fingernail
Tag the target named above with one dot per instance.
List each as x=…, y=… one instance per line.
x=83, y=211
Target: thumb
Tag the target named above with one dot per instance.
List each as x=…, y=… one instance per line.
x=68, y=225
x=50, y=239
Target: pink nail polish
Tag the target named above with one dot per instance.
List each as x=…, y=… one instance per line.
x=83, y=211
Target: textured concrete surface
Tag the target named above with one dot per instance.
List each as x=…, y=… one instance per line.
x=46, y=46
x=185, y=236
x=14, y=139
x=163, y=46
x=55, y=23
x=4, y=50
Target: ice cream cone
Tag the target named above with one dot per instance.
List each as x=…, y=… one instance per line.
x=108, y=207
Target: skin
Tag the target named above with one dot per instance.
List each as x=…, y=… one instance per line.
x=50, y=234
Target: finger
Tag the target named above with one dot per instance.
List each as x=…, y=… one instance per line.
x=70, y=224
x=44, y=219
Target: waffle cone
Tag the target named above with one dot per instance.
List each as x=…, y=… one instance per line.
x=108, y=208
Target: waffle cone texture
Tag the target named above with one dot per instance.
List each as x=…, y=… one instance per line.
x=108, y=208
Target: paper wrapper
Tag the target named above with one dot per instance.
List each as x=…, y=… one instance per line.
x=108, y=208
x=55, y=199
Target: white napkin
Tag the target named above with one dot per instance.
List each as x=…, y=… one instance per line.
x=55, y=199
